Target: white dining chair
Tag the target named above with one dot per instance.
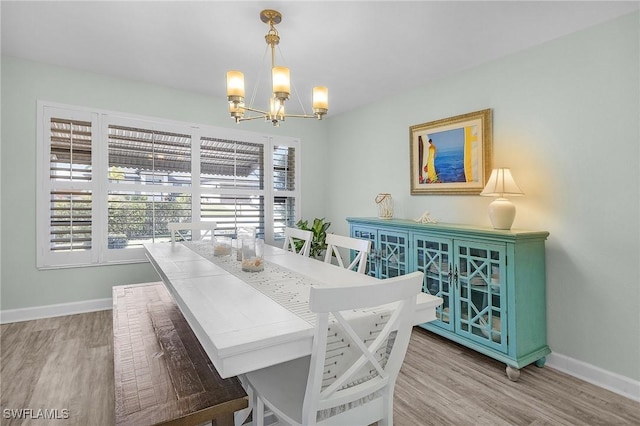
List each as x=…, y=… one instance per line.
x=291, y=235
x=191, y=231
x=361, y=247
x=358, y=349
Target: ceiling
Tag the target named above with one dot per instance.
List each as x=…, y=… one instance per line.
x=363, y=51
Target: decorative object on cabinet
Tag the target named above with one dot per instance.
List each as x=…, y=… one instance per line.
x=319, y=229
x=281, y=85
x=451, y=155
x=502, y=212
x=492, y=282
x=385, y=205
x=426, y=218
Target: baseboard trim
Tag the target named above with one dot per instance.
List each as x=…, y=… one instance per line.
x=58, y=310
x=595, y=375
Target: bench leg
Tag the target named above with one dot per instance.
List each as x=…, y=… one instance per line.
x=225, y=420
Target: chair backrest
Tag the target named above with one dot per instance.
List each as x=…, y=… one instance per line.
x=180, y=231
x=358, y=349
x=362, y=248
x=293, y=234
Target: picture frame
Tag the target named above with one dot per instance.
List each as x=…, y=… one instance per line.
x=451, y=155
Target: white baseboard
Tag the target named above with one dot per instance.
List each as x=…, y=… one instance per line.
x=49, y=311
x=595, y=375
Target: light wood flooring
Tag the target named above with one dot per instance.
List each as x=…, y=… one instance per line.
x=67, y=363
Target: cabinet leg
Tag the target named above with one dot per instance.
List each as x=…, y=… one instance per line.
x=513, y=373
x=541, y=361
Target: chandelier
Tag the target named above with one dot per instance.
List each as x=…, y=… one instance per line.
x=281, y=85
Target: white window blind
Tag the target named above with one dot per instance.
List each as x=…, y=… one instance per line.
x=149, y=157
x=70, y=162
x=114, y=182
x=232, y=181
x=158, y=164
x=284, y=187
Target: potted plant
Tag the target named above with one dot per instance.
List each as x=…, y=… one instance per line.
x=319, y=229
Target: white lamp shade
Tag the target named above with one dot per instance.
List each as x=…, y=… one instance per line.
x=501, y=184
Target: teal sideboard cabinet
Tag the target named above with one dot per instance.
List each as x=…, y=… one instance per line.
x=492, y=282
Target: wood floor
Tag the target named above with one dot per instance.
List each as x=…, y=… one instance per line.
x=66, y=363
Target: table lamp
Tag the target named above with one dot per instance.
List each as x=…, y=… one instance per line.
x=501, y=211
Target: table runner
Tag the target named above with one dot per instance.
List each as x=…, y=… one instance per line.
x=284, y=286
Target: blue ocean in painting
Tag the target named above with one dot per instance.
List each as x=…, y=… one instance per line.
x=449, y=161
x=450, y=166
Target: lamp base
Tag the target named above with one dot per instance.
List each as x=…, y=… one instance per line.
x=502, y=213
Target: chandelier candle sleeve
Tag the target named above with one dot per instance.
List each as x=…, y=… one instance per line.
x=235, y=85
x=320, y=100
x=276, y=109
x=281, y=82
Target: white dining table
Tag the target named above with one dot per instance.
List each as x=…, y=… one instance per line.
x=241, y=326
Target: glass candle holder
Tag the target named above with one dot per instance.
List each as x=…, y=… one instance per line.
x=222, y=246
x=241, y=234
x=252, y=255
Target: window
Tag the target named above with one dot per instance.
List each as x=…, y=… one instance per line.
x=114, y=182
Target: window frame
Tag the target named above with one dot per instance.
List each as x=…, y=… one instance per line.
x=100, y=254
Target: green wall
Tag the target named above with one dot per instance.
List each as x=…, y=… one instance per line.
x=23, y=84
x=566, y=120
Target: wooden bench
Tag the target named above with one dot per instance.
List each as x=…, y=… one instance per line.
x=162, y=374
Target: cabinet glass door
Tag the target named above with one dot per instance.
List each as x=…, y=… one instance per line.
x=481, y=302
x=392, y=253
x=372, y=235
x=433, y=259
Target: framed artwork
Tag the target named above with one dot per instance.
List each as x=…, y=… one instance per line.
x=451, y=155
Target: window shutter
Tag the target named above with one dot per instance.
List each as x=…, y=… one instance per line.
x=109, y=182
x=154, y=162
x=284, y=186
x=232, y=182
x=70, y=220
x=231, y=164
x=284, y=168
x=137, y=217
x=70, y=173
x=149, y=157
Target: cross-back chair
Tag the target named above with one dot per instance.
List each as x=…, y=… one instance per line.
x=191, y=231
x=358, y=348
x=362, y=248
x=291, y=235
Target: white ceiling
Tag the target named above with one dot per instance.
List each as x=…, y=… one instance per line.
x=363, y=51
